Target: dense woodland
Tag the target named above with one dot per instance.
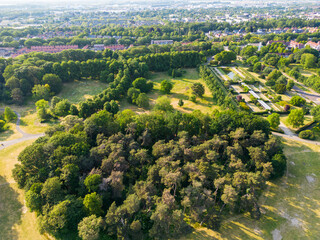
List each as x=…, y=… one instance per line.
x=147, y=176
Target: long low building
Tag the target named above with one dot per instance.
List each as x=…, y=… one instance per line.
x=48, y=49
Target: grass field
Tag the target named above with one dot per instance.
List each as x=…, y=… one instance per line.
x=181, y=90
x=15, y=221
x=290, y=205
x=78, y=91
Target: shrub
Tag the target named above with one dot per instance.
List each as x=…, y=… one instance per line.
x=307, y=134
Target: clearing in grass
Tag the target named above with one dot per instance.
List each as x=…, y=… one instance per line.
x=181, y=90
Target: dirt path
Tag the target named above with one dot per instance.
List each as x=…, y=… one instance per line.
x=25, y=136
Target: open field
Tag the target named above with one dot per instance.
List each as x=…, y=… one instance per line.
x=78, y=91
x=181, y=90
x=290, y=205
x=15, y=221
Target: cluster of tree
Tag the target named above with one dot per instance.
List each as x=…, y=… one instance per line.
x=7, y=116
x=225, y=57
x=132, y=176
x=42, y=74
x=220, y=96
x=279, y=82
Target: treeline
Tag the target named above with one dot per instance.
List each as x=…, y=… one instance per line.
x=220, y=95
x=27, y=75
x=147, y=176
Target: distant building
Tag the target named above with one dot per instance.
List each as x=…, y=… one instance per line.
x=115, y=47
x=161, y=42
x=48, y=49
x=5, y=51
x=98, y=47
x=314, y=45
x=294, y=44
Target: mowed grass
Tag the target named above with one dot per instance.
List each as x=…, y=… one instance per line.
x=181, y=90
x=16, y=222
x=290, y=205
x=78, y=91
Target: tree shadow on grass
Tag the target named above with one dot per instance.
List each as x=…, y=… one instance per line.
x=10, y=211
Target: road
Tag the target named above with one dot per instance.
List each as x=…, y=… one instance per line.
x=312, y=96
x=25, y=136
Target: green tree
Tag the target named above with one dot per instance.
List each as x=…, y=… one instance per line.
x=9, y=115
x=92, y=182
x=297, y=101
x=89, y=228
x=62, y=108
x=180, y=103
x=143, y=85
x=93, y=204
x=296, y=118
x=163, y=104
x=274, y=120
x=166, y=86
x=41, y=92
x=142, y=100
x=197, y=89
x=42, y=109
x=315, y=112
x=54, y=81
x=308, y=60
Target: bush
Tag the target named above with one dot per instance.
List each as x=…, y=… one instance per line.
x=166, y=86
x=297, y=101
x=279, y=163
x=307, y=134
x=244, y=106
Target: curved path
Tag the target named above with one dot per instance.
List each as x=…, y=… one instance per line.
x=25, y=136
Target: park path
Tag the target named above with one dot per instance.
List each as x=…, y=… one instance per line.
x=25, y=136
x=312, y=96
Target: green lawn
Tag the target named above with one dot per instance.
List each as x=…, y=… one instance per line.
x=16, y=222
x=181, y=90
x=78, y=91
x=290, y=205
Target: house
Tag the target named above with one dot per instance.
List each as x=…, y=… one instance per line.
x=161, y=42
x=294, y=44
x=98, y=47
x=314, y=45
x=115, y=47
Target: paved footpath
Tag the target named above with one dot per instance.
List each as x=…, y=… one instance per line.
x=25, y=136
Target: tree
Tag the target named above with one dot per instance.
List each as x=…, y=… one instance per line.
x=197, y=89
x=143, y=85
x=142, y=100
x=274, y=120
x=290, y=85
x=51, y=190
x=308, y=60
x=42, y=109
x=280, y=88
x=93, y=204
x=92, y=182
x=89, y=228
x=17, y=96
x=225, y=57
x=307, y=134
x=296, y=118
x=41, y=92
x=297, y=101
x=180, y=103
x=62, y=108
x=163, y=104
x=166, y=86
x=315, y=112
x=54, y=82
x=9, y=115
x=133, y=94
